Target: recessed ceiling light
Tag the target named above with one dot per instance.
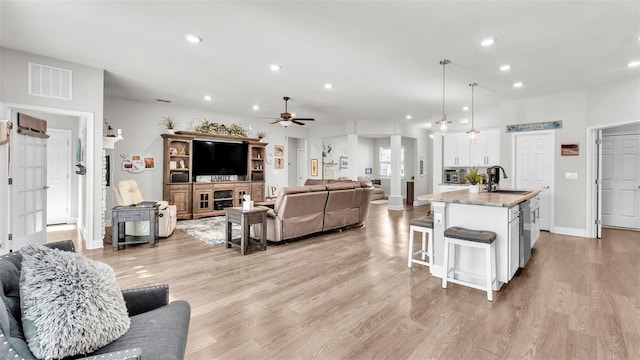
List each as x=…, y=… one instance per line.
x=488, y=42
x=409, y=117
x=275, y=67
x=464, y=121
x=208, y=97
x=517, y=85
x=505, y=67
x=256, y=107
x=193, y=38
x=633, y=64
x=465, y=108
x=328, y=86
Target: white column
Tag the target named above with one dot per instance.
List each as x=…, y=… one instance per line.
x=395, y=195
x=354, y=158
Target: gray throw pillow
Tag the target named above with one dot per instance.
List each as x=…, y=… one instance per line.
x=70, y=304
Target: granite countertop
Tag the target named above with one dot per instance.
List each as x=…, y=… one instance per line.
x=481, y=198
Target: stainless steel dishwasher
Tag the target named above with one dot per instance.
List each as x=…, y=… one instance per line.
x=525, y=233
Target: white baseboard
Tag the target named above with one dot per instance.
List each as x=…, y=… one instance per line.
x=569, y=231
x=420, y=202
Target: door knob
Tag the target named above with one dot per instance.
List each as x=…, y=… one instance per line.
x=544, y=187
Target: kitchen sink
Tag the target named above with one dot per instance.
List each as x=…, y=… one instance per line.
x=512, y=192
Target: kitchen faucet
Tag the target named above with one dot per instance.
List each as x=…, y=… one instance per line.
x=493, y=177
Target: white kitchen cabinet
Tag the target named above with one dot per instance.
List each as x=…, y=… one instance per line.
x=457, y=150
x=514, y=240
x=486, y=150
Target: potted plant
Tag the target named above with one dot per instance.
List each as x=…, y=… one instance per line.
x=169, y=124
x=261, y=135
x=474, y=178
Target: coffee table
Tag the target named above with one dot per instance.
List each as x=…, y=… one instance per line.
x=245, y=218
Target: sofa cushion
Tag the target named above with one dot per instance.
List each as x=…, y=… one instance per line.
x=148, y=331
x=70, y=304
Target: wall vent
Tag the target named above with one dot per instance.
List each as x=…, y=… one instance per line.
x=49, y=81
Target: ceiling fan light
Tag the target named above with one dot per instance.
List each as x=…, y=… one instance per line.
x=285, y=123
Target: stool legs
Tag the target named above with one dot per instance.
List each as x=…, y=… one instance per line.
x=427, y=246
x=490, y=265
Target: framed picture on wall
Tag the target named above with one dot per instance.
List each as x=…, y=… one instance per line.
x=278, y=150
x=314, y=167
x=344, y=162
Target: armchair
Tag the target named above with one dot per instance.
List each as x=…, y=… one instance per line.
x=158, y=328
x=378, y=190
x=127, y=193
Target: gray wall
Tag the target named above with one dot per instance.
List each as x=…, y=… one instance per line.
x=88, y=85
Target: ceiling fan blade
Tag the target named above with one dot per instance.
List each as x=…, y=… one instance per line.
x=295, y=121
x=304, y=119
x=277, y=121
x=265, y=117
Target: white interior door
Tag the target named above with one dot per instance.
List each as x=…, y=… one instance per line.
x=533, y=164
x=28, y=171
x=621, y=181
x=302, y=167
x=58, y=176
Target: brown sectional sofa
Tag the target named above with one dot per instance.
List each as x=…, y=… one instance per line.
x=311, y=209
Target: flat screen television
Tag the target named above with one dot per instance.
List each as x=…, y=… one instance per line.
x=219, y=158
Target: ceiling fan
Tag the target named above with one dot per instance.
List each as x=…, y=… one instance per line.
x=286, y=118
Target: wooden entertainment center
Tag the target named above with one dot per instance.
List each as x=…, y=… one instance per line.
x=196, y=199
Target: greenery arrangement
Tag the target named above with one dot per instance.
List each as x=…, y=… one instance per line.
x=261, y=135
x=237, y=130
x=473, y=177
x=207, y=128
x=214, y=128
x=168, y=123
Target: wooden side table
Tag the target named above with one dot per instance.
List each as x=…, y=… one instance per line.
x=124, y=214
x=255, y=215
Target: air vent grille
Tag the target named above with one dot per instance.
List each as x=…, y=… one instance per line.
x=49, y=81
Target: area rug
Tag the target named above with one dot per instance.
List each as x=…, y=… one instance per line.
x=381, y=201
x=210, y=230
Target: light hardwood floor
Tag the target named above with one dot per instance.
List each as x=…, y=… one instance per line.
x=350, y=295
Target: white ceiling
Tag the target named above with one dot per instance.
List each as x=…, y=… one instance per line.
x=382, y=56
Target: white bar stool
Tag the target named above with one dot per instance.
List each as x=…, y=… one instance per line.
x=423, y=225
x=476, y=239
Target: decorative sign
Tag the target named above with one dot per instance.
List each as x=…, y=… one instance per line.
x=547, y=125
x=138, y=163
x=278, y=150
x=570, y=149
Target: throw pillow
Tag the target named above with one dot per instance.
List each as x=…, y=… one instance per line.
x=70, y=304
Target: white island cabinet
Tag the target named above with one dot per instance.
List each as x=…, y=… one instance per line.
x=483, y=211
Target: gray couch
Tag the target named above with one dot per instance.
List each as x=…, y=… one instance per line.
x=158, y=328
x=311, y=209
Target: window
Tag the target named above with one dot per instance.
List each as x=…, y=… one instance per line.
x=384, y=161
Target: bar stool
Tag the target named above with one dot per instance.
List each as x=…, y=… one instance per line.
x=423, y=225
x=476, y=239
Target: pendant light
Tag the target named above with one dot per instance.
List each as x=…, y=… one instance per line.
x=443, y=122
x=473, y=132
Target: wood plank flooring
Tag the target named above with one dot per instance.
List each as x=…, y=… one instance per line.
x=350, y=295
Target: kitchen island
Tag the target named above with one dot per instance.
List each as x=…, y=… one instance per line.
x=499, y=212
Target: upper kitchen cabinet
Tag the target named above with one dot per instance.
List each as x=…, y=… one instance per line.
x=459, y=151
x=456, y=150
x=486, y=150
